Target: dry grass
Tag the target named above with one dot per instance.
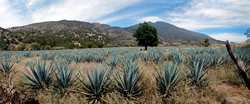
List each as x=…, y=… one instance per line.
x=219, y=77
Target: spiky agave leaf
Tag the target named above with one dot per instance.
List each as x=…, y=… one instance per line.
x=129, y=83
x=6, y=67
x=197, y=73
x=39, y=76
x=64, y=78
x=156, y=55
x=95, y=84
x=177, y=56
x=113, y=62
x=167, y=79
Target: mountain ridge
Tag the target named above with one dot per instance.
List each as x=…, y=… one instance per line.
x=173, y=33
x=80, y=34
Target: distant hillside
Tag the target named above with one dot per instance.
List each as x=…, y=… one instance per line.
x=246, y=44
x=78, y=34
x=170, y=33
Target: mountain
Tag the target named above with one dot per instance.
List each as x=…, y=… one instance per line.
x=170, y=33
x=246, y=44
x=116, y=34
x=78, y=34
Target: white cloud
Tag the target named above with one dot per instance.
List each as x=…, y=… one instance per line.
x=85, y=10
x=234, y=37
x=31, y=2
x=150, y=19
x=202, y=14
x=9, y=16
x=134, y=15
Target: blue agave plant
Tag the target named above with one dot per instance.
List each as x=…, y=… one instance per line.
x=167, y=79
x=6, y=66
x=95, y=85
x=39, y=76
x=197, y=73
x=129, y=83
x=64, y=78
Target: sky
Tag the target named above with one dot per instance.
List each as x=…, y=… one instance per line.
x=220, y=19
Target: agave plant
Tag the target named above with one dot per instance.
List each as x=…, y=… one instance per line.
x=167, y=79
x=177, y=56
x=156, y=55
x=129, y=83
x=94, y=87
x=113, y=62
x=39, y=76
x=6, y=67
x=153, y=55
x=64, y=78
x=197, y=73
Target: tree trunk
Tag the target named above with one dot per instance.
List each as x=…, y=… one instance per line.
x=146, y=45
x=240, y=66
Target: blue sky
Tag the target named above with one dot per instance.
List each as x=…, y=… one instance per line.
x=220, y=19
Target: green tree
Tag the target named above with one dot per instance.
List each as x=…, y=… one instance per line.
x=3, y=44
x=205, y=42
x=146, y=35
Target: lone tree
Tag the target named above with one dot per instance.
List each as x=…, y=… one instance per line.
x=146, y=35
x=205, y=42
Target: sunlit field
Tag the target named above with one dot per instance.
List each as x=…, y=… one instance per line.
x=123, y=76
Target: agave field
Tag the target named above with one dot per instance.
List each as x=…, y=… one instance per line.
x=121, y=76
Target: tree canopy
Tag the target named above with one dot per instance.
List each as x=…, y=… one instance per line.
x=146, y=35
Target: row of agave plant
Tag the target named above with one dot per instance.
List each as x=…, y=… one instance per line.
x=155, y=55
x=129, y=82
x=94, y=85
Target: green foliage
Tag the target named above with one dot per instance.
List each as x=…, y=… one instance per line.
x=114, y=61
x=152, y=55
x=39, y=76
x=129, y=83
x=95, y=84
x=205, y=42
x=6, y=66
x=3, y=44
x=197, y=72
x=176, y=56
x=243, y=54
x=167, y=79
x=146, y=35
x=47, y=56
x=35, y=46
x=64, y=78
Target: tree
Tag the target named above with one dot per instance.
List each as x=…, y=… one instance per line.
x=146, y=35
x=3, y=45
x=205, y=42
